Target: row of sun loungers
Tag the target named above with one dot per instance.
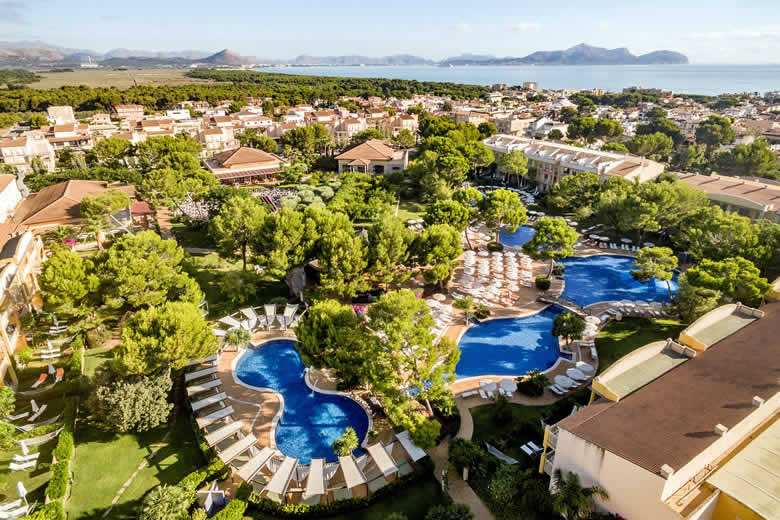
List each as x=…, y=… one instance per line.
x=13, y=510
x=250, y=320
x=278, y=477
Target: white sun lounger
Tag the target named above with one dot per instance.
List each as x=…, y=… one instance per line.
x=482, y=394
x=214, y=416
x=230, y=321
x=11, y=505
x=556, y=390
x=500, y=455
x=192, y=376
x=13, y=466
x=17, y=416
x=55, y=355
x=237, y=448
x=220, y=332
x=255, y=464
x=37, y=414
x=270, y=314
x=196, y=389
x=223, y=433
x=13, y=514
x=208, y=401
x=211, y=359
x=19, y=459
x=534, y=447
x=528, y=451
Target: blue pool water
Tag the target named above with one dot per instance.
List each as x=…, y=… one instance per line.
x=510, y=346
x=311, y=420
x=607, y=278
x=518, y=238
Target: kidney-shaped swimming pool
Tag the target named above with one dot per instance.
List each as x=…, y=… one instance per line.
x=311, y=420
x=509, y=346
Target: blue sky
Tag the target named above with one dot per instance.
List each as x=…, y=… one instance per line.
x=746, y=31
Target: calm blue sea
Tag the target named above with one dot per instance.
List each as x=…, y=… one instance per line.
x=690, y=79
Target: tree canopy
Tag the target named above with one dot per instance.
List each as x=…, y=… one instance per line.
x=236, y=226
x=553, y=239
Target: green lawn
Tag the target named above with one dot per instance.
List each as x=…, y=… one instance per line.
x=34, y=479
x=410, y=209
x=96, y=357
x=500, y=434
x=209, y=270
x=104, y=461
x=186, y=236
x=414, y=501
x=621, y=337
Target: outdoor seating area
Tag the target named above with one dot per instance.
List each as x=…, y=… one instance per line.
x=266, y=317
x=281, y=478
x=443, y=314
x=489, y=389
x=495, y=279
x=526, y=195
x=624, y=244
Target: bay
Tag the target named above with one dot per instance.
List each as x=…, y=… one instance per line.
x=688, y=79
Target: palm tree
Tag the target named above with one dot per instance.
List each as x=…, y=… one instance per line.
x=237, y=337
x=166, y=503
x=570, y=499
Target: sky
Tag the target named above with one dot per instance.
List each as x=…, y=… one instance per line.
x=746, y=31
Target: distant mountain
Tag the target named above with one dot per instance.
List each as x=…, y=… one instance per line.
x=581, y=54
x=226, y=57
x=467, y=58
x=397, y=59
x=29, y=56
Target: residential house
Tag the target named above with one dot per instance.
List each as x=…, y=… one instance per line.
x=373, y=156
x=684, y=430
x=216, y=140
x=71, y=135
x=244, y=166
x=22, y=151
x=549, y=162
x=348, y=127
x=60, y=204
x=61, y=115
x=20, y=261
x=179, y=114
x=129, y=111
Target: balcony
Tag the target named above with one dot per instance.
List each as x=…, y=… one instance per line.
x=549, y=463
x=552, y=438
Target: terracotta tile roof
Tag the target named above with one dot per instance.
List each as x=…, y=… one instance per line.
x=243, y=155
x=760, y=193
x=13, y=143
x=373, y=150
x=5, y=180
x=673, y=418
x=60, y=202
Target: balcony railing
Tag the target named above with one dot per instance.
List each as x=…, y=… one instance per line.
x=549, y=463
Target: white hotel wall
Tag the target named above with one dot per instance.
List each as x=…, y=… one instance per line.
x=634, y=492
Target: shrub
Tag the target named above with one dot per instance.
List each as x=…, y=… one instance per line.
x=344, y=445
x=481, y=311
x=41, y=430
x=325, y=192
x=425, y=434
x=290, y=201
x=195, y=480
x=7, y=431
x=450, y=512
x=165, y=502
x=50, y=511
x=558, y=269
x=75, y=361
x=96, y=337
x=25, y=356
x=502, y=412
x=543, y=282
x=64, y=449
x=532, y=384
x=58, y=485
x=235, y=509
x=7, y=400
x=495, y=246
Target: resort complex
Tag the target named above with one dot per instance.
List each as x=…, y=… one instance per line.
x=264, y=295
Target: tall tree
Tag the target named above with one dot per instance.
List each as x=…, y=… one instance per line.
x=111, y=152
x=404, y=138
x=66, y=280
x=166, y=502
x=655, y=146
x=144, y=270
x=253, y=138
x=513, y=164
x=278, y=244
x=343, y=263
x=577, y=192
x=403, y=323
x=133, y=403
x=471, y=199
x=164, y=337
x=388, y=241
x=503, y=208
x=571, y=500
x=715, y=131
x=554, y=239
x=737, y=279
x=440, y=247
x=749, y=160
x=656, y=263
x=98, y=211
x=237, y=224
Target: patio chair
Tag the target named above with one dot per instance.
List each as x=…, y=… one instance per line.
x=270, y=314
x=528, y=451
x=534, y=447
x=556, y=390
x=17, y=416
x=13, y=466
x=41, y=379
x=20, y=459
x=37, y=414
x=12, y=514
x=60, y=375
x=11, y=505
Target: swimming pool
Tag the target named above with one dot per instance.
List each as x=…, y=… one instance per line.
x=522, y=235
x=509, y=346
x=311, y=421
x=602, y=278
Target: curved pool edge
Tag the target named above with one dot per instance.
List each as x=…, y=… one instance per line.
x=280, y=397
x=511, y=317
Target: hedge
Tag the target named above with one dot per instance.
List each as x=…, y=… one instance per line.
x=51, y=511
x=263, y=505
x=194, y=480
x=41, y=430
x=75, y=360
x=543, y=282
x=58, y=485
x=64, y=449
x=236, y=507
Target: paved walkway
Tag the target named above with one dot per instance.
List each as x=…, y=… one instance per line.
x=163, y=217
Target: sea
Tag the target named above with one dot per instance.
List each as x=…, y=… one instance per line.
x=687, y=79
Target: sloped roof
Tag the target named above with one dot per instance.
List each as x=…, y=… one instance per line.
x=673, y=418
x=243, y=155
x=61, y=201
x=5, y=180
x=373, y=150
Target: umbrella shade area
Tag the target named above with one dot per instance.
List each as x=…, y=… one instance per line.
x=432, y=303
x=576, y=374
x=584, y=367
x=508, y=385
x=626, y=240
x=440, y=297
x=565, y=382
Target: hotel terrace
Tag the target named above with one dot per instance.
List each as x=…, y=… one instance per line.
x=553, y=161
x=244, y=166
x=684, y=429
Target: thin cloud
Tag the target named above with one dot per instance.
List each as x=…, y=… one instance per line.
x=463, y=27
x=12, y=12
x=527, y=27
x=760, y=33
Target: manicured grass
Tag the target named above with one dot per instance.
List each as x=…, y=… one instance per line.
x=410, y=209
x=487, y=429
x=414, y=501
x=209, y=271
x=186, y=236
x=104, y=461
x=621, y=337
x=34, y=479
x=95, y=358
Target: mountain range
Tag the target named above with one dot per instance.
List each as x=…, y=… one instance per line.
x=40, y=54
